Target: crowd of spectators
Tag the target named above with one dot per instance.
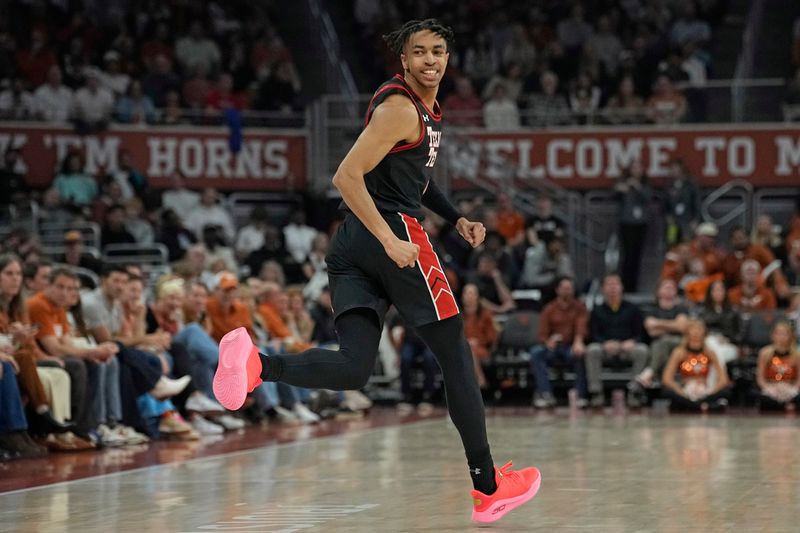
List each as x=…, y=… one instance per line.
x=149, y=63
x=553, y=63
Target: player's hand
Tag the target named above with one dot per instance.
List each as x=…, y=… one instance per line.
x=472, y=232
x=402, y=252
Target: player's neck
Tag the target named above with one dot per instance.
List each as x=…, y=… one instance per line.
x=426, y=94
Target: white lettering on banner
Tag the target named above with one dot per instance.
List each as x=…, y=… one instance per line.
x=248, y=163
x=589, y=158
x=162, y=156
x=190, y=158
x=219, y=159
x=524, y=169
x=788, y=159
x=660, y=154
x=275, y=155
x=621, y=155
x=556, y=146
x=16, y=140
x=710, y=145
x=63, y=143
x=101, y=153
x=745, y=165
x=497, y=152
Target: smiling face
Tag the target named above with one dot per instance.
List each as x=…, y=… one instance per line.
x=425, y=58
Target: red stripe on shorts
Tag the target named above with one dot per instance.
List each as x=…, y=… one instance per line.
x=441, y=294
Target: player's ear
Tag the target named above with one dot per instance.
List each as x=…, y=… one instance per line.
x=404, y=62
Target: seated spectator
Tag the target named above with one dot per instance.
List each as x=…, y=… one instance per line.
x=132, y=182
x=501, y=113
x=479, y=329
x=296, y=316
x=219, y=256
x=606, y=45
x=177, y=197
x=35, y=62
x=548, y=107
x=211, y=212
x=666, y=105
x=688, y=28
x=742, y=250
x=136, y=224
x=544, y=223
x=196, y=88
x=778, y=372
x=299, y=236
x=73, y=184
x=616, y=331
x=172, y=113
x=315, y=268
x=463, y=107
x=513, y=83
x=195, y=50
x=251, y=236
x=495, y=294
x=280, y=90
x=175, y=236
x=495, y=245
x=544, y=264
x=769, y=235
x=751, y=294
x=694, y=361
x=114, y=78
x=481, y=62
x=75, y=254
x=16, y=103
x=625, y=106
x=48, y=309
x=510, y=223
x=35, y=277
x=53, y=210
x=53, y=100
x=722, y=321
x=324, y=323
x=113, y=230
x=665, y=324
x=92, y=105
x=160, y=80
x=12, y=182
x=703, y=247
x=15, y=443
x=519, y=50
x=412, y=350
x=222, y=97
x=135, y=107
x=584, y=98
x=272, y=304
x=225, y=311
x=681, y=203
x=111, y=195
x=563, y=330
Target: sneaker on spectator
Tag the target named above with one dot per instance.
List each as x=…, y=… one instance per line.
x=172, y=423
x=285, y=416
x=581, y=403
x=404, y=408
x=229, y=422
x=206, y=427
x=645, y=377
x=167, y=387
x=110, y=437
x=304, y=414
x=543, y=400
x=425, y=409
x=200, y=403
x=77, y=444
x=131, y=436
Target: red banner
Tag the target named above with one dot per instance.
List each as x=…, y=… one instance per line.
x=765, y=155
x=268, y=159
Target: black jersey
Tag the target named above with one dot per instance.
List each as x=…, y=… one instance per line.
x=396, y=184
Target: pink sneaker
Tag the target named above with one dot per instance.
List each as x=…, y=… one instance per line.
x=239, y=369
x=514, y=487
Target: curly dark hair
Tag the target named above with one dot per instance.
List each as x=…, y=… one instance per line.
x=397, y=39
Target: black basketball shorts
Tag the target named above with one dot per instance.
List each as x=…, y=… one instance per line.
x=362, y=275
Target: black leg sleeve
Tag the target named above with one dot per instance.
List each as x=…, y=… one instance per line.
x=348, y=368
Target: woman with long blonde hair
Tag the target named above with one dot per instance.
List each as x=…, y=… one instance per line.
x=694, y=361
x=778, y=372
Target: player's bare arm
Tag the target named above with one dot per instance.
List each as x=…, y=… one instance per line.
x=394, y=121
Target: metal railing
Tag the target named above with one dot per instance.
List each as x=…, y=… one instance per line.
x=729, y=204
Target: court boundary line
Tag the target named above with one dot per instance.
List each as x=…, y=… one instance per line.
x=224, y=455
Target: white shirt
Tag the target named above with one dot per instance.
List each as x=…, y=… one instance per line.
x=116, y=83
x=210, y=216
x=93, y=106
x=22, y=105
x=501, y=115
x=53, y=104
x=298, y=240
x=250, y=239
x=182, y=201
x=193, y=53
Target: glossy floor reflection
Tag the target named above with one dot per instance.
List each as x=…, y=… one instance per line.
x=600, y=473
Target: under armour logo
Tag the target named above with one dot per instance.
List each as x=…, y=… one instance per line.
x=475, y=471
x=426, y=118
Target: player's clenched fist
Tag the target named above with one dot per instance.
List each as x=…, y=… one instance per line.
x=402, y=252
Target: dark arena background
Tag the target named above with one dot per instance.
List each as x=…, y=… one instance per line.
x=633, y=312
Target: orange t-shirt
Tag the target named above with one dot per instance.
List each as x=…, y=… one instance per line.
x=764, y=300
x=222, y=322
x=510, y=224
x=51, y=319
x=277, y=327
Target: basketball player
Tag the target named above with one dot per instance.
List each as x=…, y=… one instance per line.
x=380, y=255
